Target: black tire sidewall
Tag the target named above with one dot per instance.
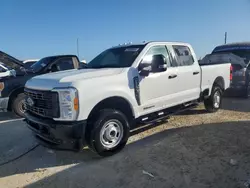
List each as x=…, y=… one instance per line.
x=104, y=116
x=16, y=103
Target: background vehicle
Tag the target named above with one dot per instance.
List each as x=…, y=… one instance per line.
x=12, y=88
x=121, y=87
x=238, y=54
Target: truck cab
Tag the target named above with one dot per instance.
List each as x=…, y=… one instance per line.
x=12, y=88
x=120, y=88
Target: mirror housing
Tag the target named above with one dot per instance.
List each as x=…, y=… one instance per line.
x=157, y=64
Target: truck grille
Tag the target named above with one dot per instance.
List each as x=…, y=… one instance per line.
x=42, y=103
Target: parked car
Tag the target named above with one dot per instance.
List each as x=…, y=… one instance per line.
x=238, y=54
x=121, y=87
x=12, y=88
x=27, y=63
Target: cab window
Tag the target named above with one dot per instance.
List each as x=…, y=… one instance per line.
x=184, y=56
x=157, y=50
x=65, y=64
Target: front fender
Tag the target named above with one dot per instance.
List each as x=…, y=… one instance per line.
x=87, y=103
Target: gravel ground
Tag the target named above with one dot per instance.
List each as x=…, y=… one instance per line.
x=193, y=149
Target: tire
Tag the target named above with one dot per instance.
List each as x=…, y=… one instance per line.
x=213, y=103
x=18, y=104
x=108, y=124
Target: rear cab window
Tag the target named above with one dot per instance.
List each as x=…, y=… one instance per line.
x=183, y=55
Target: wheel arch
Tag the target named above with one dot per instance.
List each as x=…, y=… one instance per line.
x=115, y=102
x=12, y=96
x=219, y=81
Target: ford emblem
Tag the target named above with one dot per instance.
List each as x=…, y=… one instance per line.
x=30, y=101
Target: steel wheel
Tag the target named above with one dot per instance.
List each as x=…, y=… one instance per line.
x=217, y=99
x=111, y=133
x=21, y=106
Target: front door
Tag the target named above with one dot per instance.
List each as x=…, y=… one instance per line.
x=157, y=90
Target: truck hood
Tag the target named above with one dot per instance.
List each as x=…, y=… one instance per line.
x=10, y=61
x=66, y=78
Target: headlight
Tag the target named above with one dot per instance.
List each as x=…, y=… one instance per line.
x=1, y=88
x=69, y=103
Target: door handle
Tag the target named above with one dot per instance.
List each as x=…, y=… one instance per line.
x=197, y=72
x=172, y=76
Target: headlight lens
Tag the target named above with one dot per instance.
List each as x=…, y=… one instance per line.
x=69, y=105
x=1, y=88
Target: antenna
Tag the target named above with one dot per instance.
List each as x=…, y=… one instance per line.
x=77, y=47
x=225, y=37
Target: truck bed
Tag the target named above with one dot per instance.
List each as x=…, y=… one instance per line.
x=209, y=72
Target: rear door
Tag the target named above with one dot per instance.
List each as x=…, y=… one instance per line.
x=188, y=74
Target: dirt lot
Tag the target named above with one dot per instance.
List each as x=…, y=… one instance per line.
x=194, y=149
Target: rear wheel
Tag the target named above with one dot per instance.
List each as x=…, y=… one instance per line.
x=213, y=103
x=18, y=104
x=109, y=132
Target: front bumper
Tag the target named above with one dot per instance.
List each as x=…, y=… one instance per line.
x=4, y=103
x=58, y=135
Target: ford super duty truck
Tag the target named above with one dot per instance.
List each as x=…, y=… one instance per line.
x=119, y=89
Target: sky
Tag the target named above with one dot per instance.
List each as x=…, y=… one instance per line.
x=34, y=29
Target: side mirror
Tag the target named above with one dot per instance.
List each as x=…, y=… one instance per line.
x=156, y=64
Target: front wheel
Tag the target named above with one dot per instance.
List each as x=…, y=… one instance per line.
x=18, y=104
x=213, y=103
x=109, y=132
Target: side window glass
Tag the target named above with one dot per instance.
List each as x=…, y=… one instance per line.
x=183, y=55
x=157, y=50
x=65, y=64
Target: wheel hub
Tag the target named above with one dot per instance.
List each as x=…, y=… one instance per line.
x=22, y=106
x=217, y=99
x=111, y=133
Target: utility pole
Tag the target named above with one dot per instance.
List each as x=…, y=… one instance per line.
x=77, y=47
x=225, y=37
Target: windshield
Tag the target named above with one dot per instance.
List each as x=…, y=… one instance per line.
x=116, y=57
x=39, y=65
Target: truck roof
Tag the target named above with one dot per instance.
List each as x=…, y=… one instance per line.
x=150, y=42
x=57, y=56
x=233, y=46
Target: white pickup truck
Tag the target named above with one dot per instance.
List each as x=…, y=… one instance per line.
x=119, y=89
